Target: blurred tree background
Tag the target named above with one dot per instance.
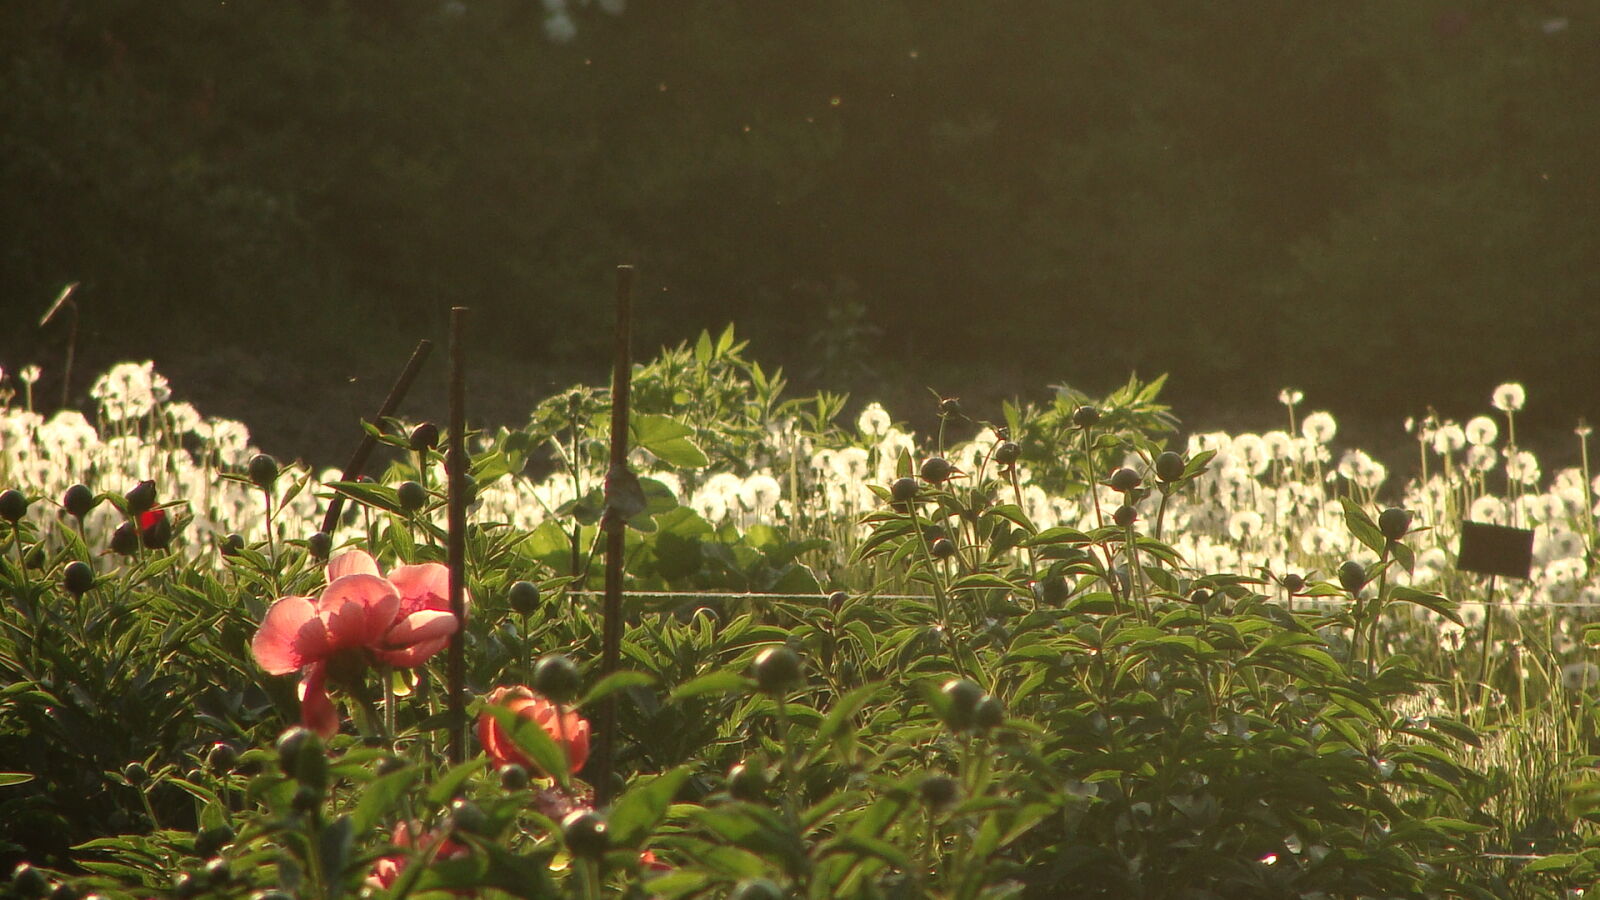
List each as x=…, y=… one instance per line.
x=1386, y=205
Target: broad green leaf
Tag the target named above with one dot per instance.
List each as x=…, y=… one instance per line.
x=668, y=439
x=720, y=682
x=1361, y=525
x=614, y=682
x=379, y=797
x=635, y=814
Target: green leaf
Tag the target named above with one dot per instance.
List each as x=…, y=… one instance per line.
x=797, y=578
x=668, y=439
x=1554, y=862
x=1362, y=526
x=614, y=682
x=449, y=784
x=1456, y=729
x=380, y=796
x=636, y=812
x=720, y=682
x=378, y=495
x=986, y=580
x=333, y=846
x=1441, y=605
x=1455, y=826
x=871, y=846
x=10, y=778
x=844, y=708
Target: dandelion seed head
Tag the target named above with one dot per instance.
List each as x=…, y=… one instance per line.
x=1244, y=525
x=1449, y=438
x=874, y=421
x=1319, y=427
x=1487, y=509
x=1482, y=457
x=760, y=493
x=1482, y=431
x=1509, y=397
x=1290, y=397
x=1523, y=466
x=1252, y=453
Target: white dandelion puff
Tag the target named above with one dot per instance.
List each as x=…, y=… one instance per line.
x=874, y=421
x=1481, y=431
x=1319, y=427
x=1509, y=397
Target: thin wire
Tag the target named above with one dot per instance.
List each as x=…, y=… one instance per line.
x=754, y=595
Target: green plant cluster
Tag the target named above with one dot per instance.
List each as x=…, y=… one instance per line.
x=965, y=705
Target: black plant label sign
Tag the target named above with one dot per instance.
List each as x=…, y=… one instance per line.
x=1495, y=550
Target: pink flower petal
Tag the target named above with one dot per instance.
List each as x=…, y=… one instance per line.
x=317, y=712
x=414, y=655
x=425, y=625
x=279, y=646
x=425, y=586
x=352, y=562
x=417, y=637
x=359, y=609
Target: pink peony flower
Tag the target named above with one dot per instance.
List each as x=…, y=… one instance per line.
x=360, y=618
x=568, y=729
x=388, y=868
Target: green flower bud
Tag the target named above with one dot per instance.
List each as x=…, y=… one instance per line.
x=78, y=578
x=939, y=791
x=936, y=470
x=1169, y=466
x=1394, y=522
x=557, y=678
x=904, y=490
x=747, y=782
x=963, y=696
x=413, y=496
x=524, y=597
x=777, y=669
x=1352, y=576
x=78, y=501
x=584, y=832
x=263, y=471
x=141, y=497
x=13, y=505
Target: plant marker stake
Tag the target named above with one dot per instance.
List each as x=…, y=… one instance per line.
x=358, y=460
x=615, y=525
x=455, y=464
x=64, y=301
